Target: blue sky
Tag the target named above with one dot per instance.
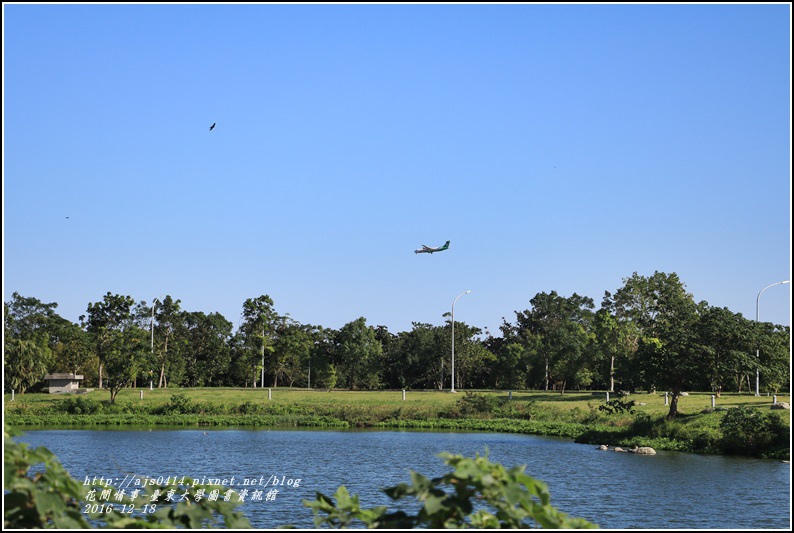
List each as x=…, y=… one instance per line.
x=559, y=147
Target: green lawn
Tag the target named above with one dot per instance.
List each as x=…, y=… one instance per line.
x=430, y=400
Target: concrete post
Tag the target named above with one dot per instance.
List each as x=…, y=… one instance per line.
x=713, y=398
x=141, y=395
x=403, y=394
x=666, y=401
x=774, y=399
x=269, y=394
x=607, y=396
x=12, y=395
x=510, y=395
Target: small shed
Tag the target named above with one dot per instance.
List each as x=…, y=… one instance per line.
x=63, y=382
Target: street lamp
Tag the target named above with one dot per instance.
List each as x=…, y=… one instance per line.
x=453, y=338
x=757, y=350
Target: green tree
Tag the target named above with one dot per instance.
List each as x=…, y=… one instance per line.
x=29, y=318
x=670, y=349
x=208, y=354
x=72, y=352
x=473, y=361
x=292, y=348
x=773, y=356
x=358, y=355
x=615, y=340
x=124, y=358
x=517, y=352
x=258, y=329
x=423, y=354
x=31, y=330
x=726, y=339
x=394, y=368
x=322, y=371
x=562, y=325
x=25, y=363
x=168, y=327
x=104, y=322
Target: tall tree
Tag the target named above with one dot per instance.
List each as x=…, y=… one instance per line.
x=291, y=351
x=615, y=340
x=72, y=352
x=321, y=365
x=424, y=352
x=105, y=321
x=258, y=327
x=473, y=362
x=25, y=363
x=670, y=349
x=358, y=355
x=27, y=317
x=727, y=341
x=169, y=320
x=30, y=330
x=208, y=354
x=124, y=358
x=562, y=324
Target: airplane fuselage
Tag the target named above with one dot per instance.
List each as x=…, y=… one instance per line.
x=428, y=250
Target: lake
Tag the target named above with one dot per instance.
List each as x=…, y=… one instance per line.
x=670, y=490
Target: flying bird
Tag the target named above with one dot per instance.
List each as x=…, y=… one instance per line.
x=213, y=125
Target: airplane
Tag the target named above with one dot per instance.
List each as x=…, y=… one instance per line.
x=428, y=250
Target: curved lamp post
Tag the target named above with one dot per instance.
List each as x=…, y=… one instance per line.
x=757, y=350
x=453, y=338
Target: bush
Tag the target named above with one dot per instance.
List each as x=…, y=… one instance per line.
x=78, y=405
x=477, y=404
x=178, y=404
x=747, y=431
x=617, y=406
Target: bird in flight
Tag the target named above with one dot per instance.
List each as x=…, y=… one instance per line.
x=213, y=125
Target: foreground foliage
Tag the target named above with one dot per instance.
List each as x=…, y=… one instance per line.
x=477, y=493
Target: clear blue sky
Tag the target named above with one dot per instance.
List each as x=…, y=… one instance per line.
x=559, y=147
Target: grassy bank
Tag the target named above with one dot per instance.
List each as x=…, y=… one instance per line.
x=575, y=415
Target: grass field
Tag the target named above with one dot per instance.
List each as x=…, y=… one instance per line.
x=574, y=415
x=432, y=400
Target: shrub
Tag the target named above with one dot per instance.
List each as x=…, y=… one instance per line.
x=178, y=404
x=78, y=405
x=747, y=431
x=477, y=404
x=617, y=406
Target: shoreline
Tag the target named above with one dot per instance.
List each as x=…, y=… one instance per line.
x=576, y=416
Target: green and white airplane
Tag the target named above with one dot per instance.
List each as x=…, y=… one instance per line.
x=428, y=250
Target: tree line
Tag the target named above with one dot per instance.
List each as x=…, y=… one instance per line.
x=650, y=334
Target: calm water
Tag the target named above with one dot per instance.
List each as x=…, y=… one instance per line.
x=614, y=490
